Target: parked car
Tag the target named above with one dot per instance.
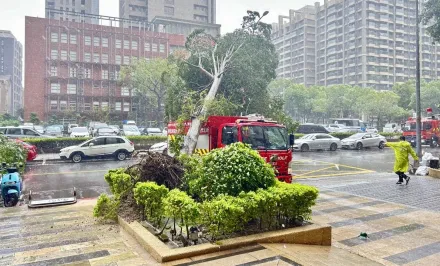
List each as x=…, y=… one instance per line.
x=70, y=127
x=311, y=128
x=371, y=129
x=130, y=130
x=53, y=131
x=392, y=128
x=362, y=140
x=101, y=147
x=21, y=133
x=80, y=132
x=39, y=129
x=106, y=131
x=116, y=128
x=317, y=142
x=31, y=149
x=96, y=127
x=335, y=127
x=152, y=132
x=161, y=147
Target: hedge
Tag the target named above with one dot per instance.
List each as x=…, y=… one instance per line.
x=54, y=145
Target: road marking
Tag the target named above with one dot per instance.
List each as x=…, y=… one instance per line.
x=67, y=173
x=322, y=169
x=343, y=165
x=338, y=174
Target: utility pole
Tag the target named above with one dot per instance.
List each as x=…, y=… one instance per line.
x=418, y=106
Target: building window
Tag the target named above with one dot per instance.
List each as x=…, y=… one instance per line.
x=63, y=37
x=201, y=18
x=53, y=105
x=72, y=39
x=125, y=91
x=96, y=41
x=162, y=48
x=54, y=54
x=134, y=45
x=86, y=106
x=118, y=60
x=63, y=55
x=104, y=58
x=63, y=105
x=72, y=56
x=104, y=105
x=73, y=72
x=54, y=37
x=87, y=40
x=95, y=58
x=71, y=88
x=154, y=47
x=87, y=57
x=169, y=2
x=126, y=44
x=126, y=107
x=54, y=88
x=53, y=71
x=88, y=73
x=117, y=74
x=118, y=43
x=104, y=74
x=117, y=106
x=95, y=105
x=104, y=42
x=169, y=10
x=126, y=60
x=72, y=105
x=147, y=47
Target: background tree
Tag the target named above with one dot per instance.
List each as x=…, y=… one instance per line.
x=405, y=91
x=34, y=119
x=431, y=16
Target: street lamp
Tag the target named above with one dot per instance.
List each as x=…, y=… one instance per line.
x=418, y=107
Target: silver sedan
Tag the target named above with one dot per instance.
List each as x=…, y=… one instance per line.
x=361, y=140
x=317, y=142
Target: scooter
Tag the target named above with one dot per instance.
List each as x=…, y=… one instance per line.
x=10, y=184
x=434, y=142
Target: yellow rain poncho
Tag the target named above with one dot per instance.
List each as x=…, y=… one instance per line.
x=401, y=150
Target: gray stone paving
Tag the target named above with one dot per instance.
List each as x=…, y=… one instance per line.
x=414, y=254
x=421, y=192
x=371, y=217
x=348, y=207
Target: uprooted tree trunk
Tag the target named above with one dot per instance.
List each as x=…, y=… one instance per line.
x=220, y=66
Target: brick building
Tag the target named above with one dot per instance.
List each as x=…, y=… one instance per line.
x=73, y=67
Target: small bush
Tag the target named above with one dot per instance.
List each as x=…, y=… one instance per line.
x=119, y=182
x=12, y=152
x=178, y=205
x=229, y=171
x=222, y=215
x=106, y=208
x=150, y=196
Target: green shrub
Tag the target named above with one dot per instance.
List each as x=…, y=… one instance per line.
x=261, y=206
x=150, y=196
x=12, y=152
x=178, y=205
x=106, y=208
x=119, y=182
x=222, y=215
x=231, y=170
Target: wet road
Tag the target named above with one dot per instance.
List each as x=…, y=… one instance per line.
x=57, y=179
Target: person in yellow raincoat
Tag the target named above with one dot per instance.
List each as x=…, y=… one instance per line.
x=401, y=150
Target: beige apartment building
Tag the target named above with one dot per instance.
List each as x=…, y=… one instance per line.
x=5, y=87
x=174, y=16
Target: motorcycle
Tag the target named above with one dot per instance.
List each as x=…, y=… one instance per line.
x=434, y=142
x=10, y=184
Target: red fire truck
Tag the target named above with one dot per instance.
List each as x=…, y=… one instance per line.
x=430, y=129
x=268, y=137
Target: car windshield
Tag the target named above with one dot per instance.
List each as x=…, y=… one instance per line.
x=79, y=130
x=154, y=130
x=131, y=128
x=106, y=130
x=265, y=138
x=306, y=137
x=53, y=129
x=100, y=125
x=411, y=126
x=356, y=136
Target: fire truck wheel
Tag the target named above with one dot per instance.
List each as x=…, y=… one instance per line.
x=305, y=147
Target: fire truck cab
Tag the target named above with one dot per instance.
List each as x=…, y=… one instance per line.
x=269, y=138
x=430, y=129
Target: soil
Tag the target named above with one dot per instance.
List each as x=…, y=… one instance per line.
x=128, y=209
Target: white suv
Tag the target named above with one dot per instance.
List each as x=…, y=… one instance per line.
x=118, y=147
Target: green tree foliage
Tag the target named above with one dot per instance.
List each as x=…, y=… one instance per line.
x=11, y=152
x=150, y=196
x=34, y=119
x=106, y=208
x=8, y=120
x=405, y=91
x=149, y=81
x=231, y=170
x=431, y=16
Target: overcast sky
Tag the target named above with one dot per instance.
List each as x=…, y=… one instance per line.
x=229, y=12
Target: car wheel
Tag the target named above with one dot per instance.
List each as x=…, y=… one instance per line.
x=121, y=155
x=359, y=146
x=333, y=147
x=77, y=157
x=165, y=152
x=305, y=147
x=381, y=145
